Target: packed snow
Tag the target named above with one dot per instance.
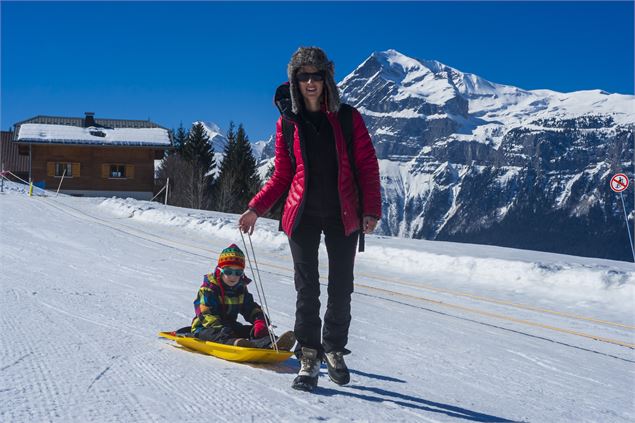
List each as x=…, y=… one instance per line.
x=441, y=332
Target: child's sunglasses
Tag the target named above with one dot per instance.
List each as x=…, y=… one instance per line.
x=304, y=76
x=233, y=272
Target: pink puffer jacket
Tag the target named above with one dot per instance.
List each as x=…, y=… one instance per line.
x=284, y=180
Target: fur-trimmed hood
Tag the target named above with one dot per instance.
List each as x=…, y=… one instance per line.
x=313, y=56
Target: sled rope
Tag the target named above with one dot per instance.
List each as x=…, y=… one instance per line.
x=259, y=288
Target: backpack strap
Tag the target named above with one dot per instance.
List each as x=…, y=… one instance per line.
x=288, y=129
x=345, y=116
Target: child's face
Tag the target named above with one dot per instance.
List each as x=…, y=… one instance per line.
x=229, y=276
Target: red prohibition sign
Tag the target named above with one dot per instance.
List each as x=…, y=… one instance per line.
x=619, y=182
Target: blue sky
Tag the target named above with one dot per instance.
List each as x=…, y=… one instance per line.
x=180, y=62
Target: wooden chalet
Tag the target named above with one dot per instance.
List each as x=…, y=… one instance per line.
x=95, y=157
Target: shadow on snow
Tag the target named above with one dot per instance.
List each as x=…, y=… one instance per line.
x=411, y=402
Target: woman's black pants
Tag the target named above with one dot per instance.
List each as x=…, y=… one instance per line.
x=304, y=243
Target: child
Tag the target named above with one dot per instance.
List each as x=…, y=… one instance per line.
x=222, y=297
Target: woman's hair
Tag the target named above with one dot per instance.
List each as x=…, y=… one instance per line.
x=313, y=56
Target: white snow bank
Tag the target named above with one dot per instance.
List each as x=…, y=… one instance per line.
x=222, y=225
x=574, y=282
x=553, y=276
x=19, y=188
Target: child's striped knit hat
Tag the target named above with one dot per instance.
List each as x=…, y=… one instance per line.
x=231, y=256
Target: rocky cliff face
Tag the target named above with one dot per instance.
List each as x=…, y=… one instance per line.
x=465, y=159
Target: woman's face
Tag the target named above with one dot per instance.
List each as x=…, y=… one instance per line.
x=311, y=90
x=229, y=276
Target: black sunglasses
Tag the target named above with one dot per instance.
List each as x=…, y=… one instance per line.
x=315, y=76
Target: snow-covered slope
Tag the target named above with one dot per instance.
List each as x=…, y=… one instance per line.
x=441, y=331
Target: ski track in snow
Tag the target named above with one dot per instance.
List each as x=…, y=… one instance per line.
x=82, y=303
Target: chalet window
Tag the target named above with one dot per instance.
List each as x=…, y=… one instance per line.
x=117, y=171
x=63, y=169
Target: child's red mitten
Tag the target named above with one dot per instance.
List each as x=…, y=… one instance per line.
x=260, y=329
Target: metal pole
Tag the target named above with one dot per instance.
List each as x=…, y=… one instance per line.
x=628, y=229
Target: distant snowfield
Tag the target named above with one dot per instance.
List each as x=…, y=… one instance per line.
x=440, y=332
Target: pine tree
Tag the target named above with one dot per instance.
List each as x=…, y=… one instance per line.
x=250, y=181
x=180, y=138
x=238, y=181
x=199, y=152
x=174, y=168
x=225, y=185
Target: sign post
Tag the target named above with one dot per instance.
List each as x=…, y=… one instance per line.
x=619, y=183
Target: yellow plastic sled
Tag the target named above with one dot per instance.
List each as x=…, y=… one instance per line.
x=229, y=352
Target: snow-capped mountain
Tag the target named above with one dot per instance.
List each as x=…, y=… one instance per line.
x=259, y=147
x=466, y=159
x=215, y=134
x=408, y=103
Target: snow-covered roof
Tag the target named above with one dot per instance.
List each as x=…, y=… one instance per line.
x=68, y=134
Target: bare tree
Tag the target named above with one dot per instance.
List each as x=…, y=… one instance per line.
x=179, y=171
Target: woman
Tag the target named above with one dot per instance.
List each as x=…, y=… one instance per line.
x=322, y=198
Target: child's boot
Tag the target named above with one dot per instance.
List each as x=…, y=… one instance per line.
x=286, y=341
x=243, y=342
